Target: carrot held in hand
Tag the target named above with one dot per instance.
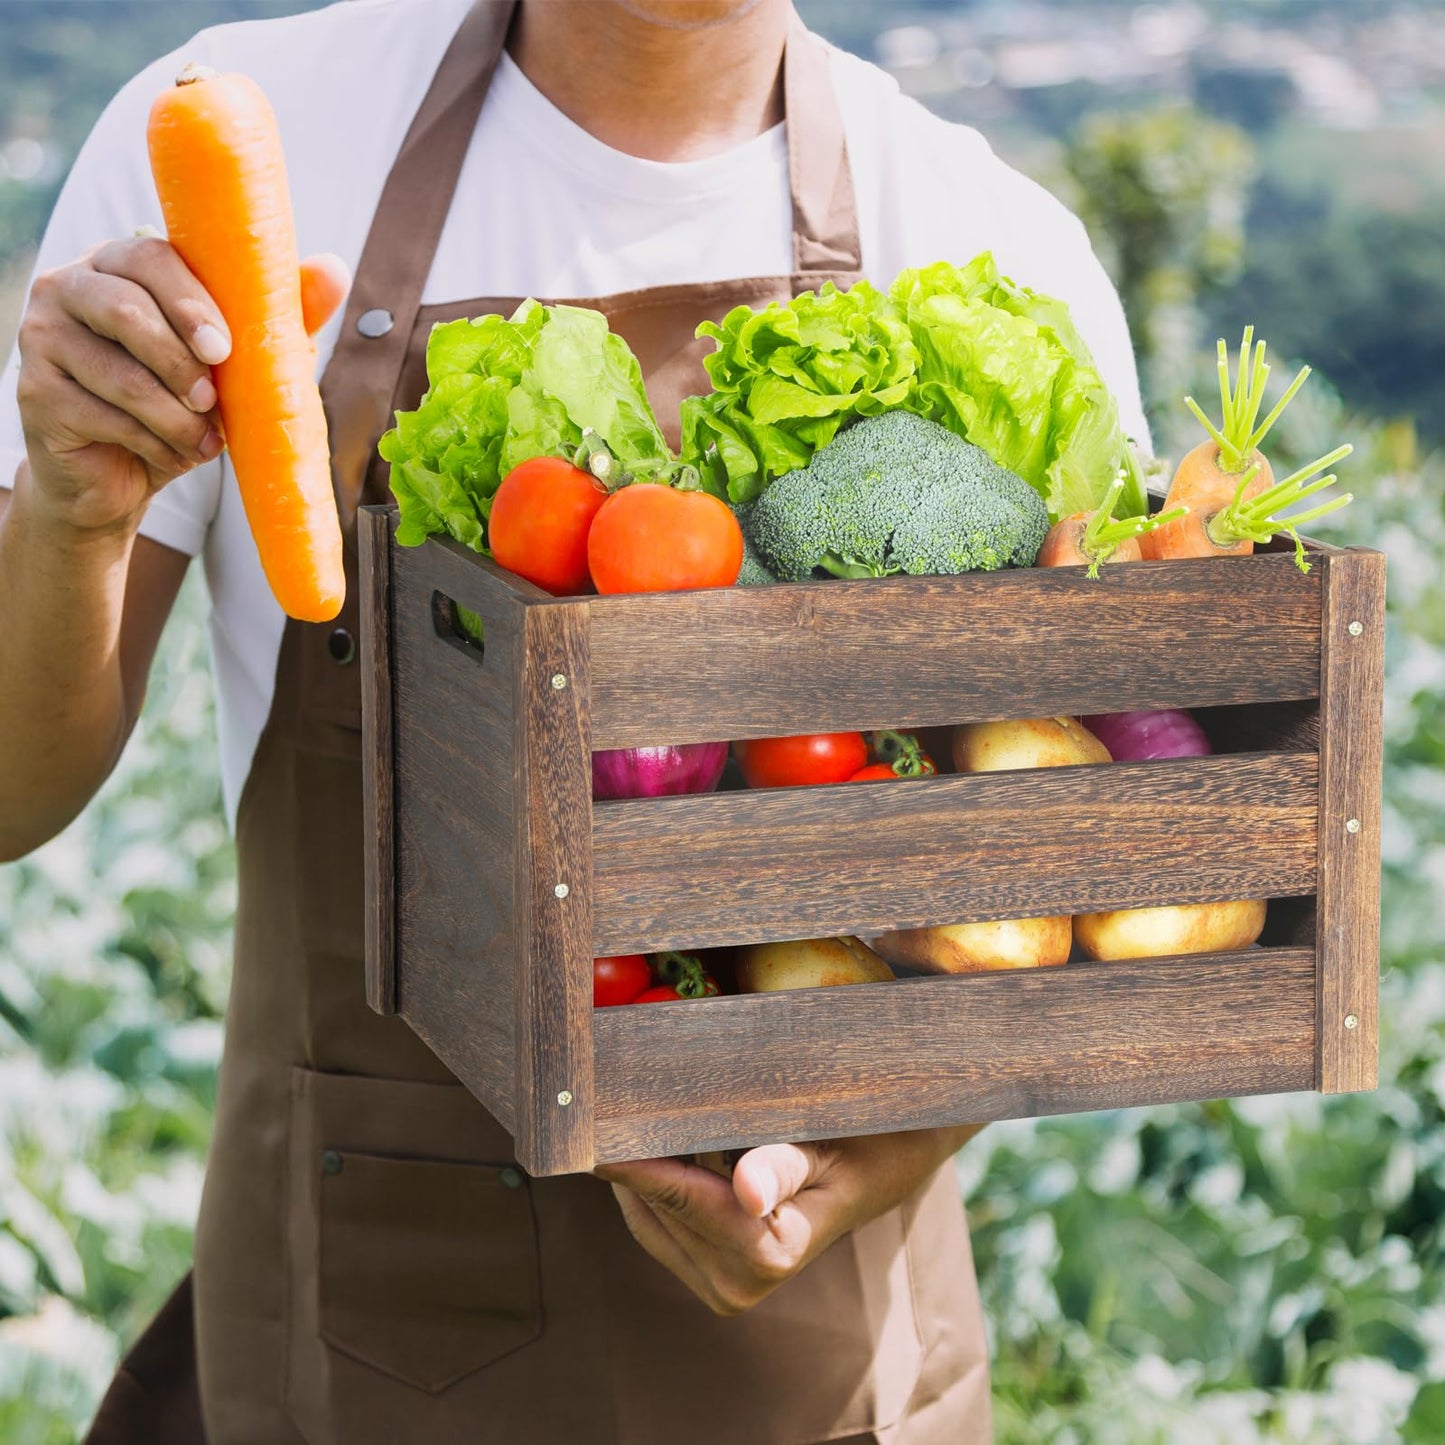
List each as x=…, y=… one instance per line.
x=216, y=157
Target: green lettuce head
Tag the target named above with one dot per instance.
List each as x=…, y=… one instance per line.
x=786, y=378
x=502, y=390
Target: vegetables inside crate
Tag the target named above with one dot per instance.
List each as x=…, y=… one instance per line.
x=487, y=768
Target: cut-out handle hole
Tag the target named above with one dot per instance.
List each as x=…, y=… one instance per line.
x=457, y=624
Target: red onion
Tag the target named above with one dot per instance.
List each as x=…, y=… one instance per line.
x=657, y=772
x=1134, y=737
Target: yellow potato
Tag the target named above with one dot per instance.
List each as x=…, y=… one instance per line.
x=1160, y=932
x=1041, y=742
x=808, y=963
x=980, y=947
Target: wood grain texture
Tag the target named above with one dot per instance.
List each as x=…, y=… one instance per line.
x=377, y=783
x=1352, y=704
x=796, y=863
x=554, y=1106
x=820, y=1063
x=456, y=827
x=920, y=651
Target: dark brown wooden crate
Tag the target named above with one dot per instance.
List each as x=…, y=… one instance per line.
x=498, y=879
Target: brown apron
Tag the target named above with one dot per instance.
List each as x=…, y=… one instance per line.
x=372, y=1268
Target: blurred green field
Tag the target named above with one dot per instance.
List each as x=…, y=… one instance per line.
x=1269, y=1270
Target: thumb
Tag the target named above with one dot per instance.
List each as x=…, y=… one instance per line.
x=766, y=1177
x=325, y=280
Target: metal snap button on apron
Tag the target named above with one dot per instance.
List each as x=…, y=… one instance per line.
x=331, y=1162
x=342, y=646
x=512, y=1178
x=375, y=323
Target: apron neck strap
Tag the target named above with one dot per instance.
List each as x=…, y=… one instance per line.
x=825, y=210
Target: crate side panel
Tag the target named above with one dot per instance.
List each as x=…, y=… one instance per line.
x=455, y=827
x=797, y=863
x=923, y=651
x=821, y=1063
x=1350, y=762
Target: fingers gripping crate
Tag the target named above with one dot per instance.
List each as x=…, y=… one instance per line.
x=493, y=879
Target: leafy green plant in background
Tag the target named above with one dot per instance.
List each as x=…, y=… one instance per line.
x=114, y=959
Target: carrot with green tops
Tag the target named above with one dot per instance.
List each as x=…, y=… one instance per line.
x=1225, y=486
x=1093, y=538
x=215, y=154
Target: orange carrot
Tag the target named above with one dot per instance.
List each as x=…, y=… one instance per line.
x=216, y=157
x=1087, y=539
x=1225, y=487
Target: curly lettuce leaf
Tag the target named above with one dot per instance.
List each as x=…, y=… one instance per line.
x=501, y=391
x=786, y=378
x=1006, y=368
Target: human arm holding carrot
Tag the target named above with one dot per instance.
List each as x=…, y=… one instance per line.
x=116, y=400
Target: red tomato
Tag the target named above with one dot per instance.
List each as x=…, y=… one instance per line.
x=539, y=522
x=663, y=993
x=798, y=762
x=618, y=979
x=889, y=770
x=668, y=992
x=651, y=538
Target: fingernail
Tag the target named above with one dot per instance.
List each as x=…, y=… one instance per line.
x=202, y=396
x=213, y=445
x=210, y=345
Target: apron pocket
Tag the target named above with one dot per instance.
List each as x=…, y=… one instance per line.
x=411, y=1250
x=427, y=1271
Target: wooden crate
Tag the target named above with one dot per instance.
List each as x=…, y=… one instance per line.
x=493, y=879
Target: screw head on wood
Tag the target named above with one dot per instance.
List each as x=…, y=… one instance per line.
x=561, y=890
x=565, y=1097
x=1355, y=628
x=559, y=681
x=1352, y=825
x=1352, y=1021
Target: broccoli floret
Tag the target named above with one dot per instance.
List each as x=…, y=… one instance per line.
x=754, y=571
x=896, y=493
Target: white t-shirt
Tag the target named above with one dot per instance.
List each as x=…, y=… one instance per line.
x=541, y=208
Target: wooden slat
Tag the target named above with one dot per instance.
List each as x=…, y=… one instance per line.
x=1352, y=704
x=915, y=651
x=554, y=1107
x=820, y=1063
x=738, y=867
x=377, y=783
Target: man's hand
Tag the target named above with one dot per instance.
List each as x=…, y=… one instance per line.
x=733, y=1242
x=116, y=400
x=115, y=389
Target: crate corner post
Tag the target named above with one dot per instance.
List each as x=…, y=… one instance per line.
x=554, y=1110
x=378, y=782
x=1351, y=753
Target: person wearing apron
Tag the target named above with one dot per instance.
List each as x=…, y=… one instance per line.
x=371, y=1265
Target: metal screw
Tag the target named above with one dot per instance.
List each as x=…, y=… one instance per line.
x=1352, y=825
x=1351, y=1021
x=1355, y=628
x=558, y=681
x=561, y=890
x=565, y=1097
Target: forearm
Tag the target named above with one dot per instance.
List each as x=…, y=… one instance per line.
x=64, y=715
